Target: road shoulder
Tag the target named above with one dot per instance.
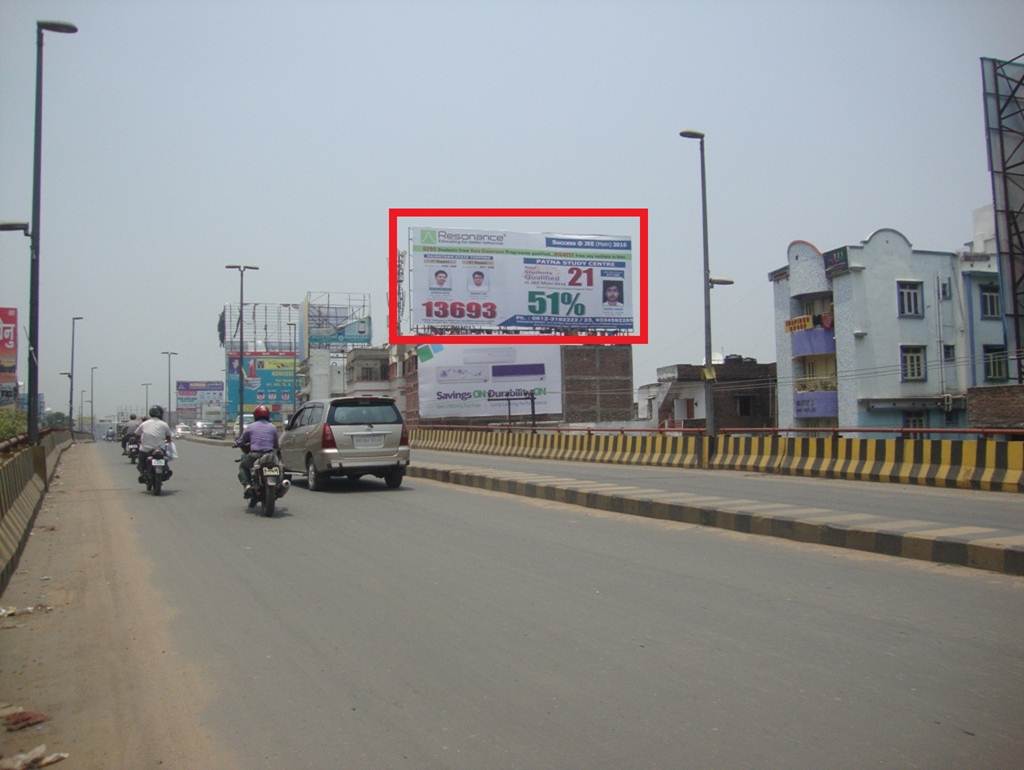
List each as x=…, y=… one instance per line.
x=100, y=664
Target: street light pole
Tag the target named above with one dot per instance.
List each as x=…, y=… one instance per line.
x=92, y=400
x=37, y=168
x=170, y=411
x=146, y=386
x=71, y=384
x=295, y=354
x=709, y=404
x=241, y=339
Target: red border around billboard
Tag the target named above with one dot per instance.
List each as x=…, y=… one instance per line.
x=395, y=338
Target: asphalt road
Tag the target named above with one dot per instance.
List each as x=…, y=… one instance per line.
x=441, y=627
x=1002, y=510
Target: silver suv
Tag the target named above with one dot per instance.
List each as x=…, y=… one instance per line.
x=351, y=437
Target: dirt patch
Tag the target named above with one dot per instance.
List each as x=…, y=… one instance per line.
x=100, y=664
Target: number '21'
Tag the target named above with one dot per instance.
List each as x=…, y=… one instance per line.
x=576, y=274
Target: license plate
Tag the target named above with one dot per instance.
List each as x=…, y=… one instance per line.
x=368, y=442
x=271, y=471
x=159, y=463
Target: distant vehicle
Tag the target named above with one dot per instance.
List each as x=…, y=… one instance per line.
x=216, y=431
x=110, y=435
x=183, y=429
x=236, y=429
x=353, y=437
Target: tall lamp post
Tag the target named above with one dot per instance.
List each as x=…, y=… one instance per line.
x=92, y=400
x=37, y=168
x=68, y=375
x=146, y=386
x=170, y=411
x=295, y=354
x=241, y=338
x=71, y=384
x=709, y=282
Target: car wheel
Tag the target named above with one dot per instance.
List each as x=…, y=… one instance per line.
x=314, y=480
x=393, y=478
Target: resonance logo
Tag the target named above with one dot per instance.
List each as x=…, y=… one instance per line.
x=428, y=236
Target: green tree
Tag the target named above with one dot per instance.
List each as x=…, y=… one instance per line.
x=12, y=423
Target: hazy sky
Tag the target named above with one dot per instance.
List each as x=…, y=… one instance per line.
x=181, y=136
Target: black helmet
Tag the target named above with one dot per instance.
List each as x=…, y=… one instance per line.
x=156, y=411
x=134, y=417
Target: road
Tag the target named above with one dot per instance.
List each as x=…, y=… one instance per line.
x=443, y=627
x=1001, y=510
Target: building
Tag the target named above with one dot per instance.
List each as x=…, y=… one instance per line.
x=880, y=334
x=743, y=391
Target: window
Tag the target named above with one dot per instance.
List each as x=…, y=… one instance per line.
x=995, y=362
x=989, y=300
x=949, y=353
x=915, y=420
x=912, y=363
x=367, y=373
x=744, y=406
x=946, y=289
x=910, y=298
x=809, y=368
x=367, y=412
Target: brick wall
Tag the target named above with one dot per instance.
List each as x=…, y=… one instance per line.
x=1000, y=406
x=597, y=383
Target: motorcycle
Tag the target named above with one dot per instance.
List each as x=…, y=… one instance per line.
x=132, y=450
x=269, y=482
x=155, y=471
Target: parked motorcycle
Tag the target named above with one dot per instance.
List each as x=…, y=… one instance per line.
x=269, y=482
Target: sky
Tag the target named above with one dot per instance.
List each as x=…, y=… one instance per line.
x=182, y=136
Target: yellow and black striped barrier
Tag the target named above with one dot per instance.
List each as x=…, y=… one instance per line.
x=670, y=450
x=984, y=463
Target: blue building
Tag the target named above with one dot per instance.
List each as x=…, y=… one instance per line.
x=879, y=334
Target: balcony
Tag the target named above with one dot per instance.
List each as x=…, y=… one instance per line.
x=815, y=403
x=813, y=342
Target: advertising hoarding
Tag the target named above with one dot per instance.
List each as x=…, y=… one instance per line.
x=494, y=278
x=8, y=345
x=268, y=381
x=336, y=325
x=462, y=380
x=197, y=398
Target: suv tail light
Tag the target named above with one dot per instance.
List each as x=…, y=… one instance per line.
x=404, y=440
x=327, y=438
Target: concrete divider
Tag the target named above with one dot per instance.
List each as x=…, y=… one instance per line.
x=985, y=463
x=24, y=479
x=665, y=449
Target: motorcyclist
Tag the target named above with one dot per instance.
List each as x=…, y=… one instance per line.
x=153, y=434
x=258, y=438
x=129, y=431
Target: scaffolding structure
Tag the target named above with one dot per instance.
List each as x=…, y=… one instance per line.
x=1003, y=83
x=265, y=327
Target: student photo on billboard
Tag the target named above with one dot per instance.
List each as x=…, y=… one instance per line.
x=612, y=294
x=477, y=283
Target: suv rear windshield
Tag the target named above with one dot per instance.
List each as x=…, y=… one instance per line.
x=375, y=413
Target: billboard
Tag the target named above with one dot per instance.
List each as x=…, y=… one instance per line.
x=495, y=278
x=336, y=325
x=268, y=381
x=196, y=398
x=469, y=380
x=8, y=345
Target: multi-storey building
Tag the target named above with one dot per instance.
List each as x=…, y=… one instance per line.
x=880, y=334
